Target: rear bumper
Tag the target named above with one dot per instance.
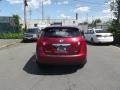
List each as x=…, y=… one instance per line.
x=62, y=59
x=103, y=40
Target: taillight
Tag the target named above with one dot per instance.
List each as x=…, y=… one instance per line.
x=98, y=35
x=43, y=43
x=40, y=47
x=78, y=43
x=40, y=51
x=111, y=34
x=83, y=49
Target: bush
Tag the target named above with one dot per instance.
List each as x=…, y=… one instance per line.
x=114, y=28
x=111, y=29
x=10, y=35
x=117, y=37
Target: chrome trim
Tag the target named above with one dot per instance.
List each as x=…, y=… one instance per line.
x=58, y=45
x=62, y=55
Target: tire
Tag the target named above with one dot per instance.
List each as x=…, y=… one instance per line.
x=81, y=65
x=39, y=64
x=92, y=41
x=23, y=40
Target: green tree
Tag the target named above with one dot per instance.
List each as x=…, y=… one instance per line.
x=94, y=22
x=98, y=21
x=85, y=22
x=115, y=8
x=16, y=22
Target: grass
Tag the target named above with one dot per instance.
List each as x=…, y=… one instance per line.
x=11, y=35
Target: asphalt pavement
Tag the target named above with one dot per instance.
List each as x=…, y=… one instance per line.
x=18, y=70
x=8, y=42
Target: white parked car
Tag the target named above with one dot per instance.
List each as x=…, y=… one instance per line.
x=98, y=36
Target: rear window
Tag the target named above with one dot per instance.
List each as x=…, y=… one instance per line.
x=61, y=32
x=32, y=30
x=101, y=31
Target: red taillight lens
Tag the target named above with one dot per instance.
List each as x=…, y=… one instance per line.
x=40, y=51
x=83, y=49
x=79, y=43
x=43, y=43
x=40, y=47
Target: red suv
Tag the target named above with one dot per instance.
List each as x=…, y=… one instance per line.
x=61, y=45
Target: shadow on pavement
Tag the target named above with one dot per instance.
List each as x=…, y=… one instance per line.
x=28, y=41
x=117, y=45
x=99, y=44
x=31, y=67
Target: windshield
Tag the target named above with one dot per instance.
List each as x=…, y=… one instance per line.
x=61, y=32
x=101, y=31
x=32, y=31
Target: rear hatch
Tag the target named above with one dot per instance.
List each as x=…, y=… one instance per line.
x=61, y=41
x=103, y=33
x=54, y=46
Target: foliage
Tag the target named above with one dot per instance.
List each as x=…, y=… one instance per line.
x=85, y=23
x=11, y=35
x=114, y=28
x=16, y=22
x=12, y=26
x=94, y=23
x=98, y=21
x=115, y=25
x=115, y=8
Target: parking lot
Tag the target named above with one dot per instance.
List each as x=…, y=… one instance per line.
x=18, y=70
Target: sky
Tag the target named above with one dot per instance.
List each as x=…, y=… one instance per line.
x=58, y=9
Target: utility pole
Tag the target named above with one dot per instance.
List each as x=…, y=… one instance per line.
x=42, y=10
x=0, y=1
x=92, y=22
x=87, y=18
x=30, y=13
x=25, y=13
x=76, y=16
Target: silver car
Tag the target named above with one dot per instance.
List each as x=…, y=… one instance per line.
x=31, y=34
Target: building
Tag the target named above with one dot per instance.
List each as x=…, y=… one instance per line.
x=83, y=27
x=102, y=25
x=6, y=19
x=38, y=22
x=6, y=24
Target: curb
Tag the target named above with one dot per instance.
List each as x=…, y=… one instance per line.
x=10, y=44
